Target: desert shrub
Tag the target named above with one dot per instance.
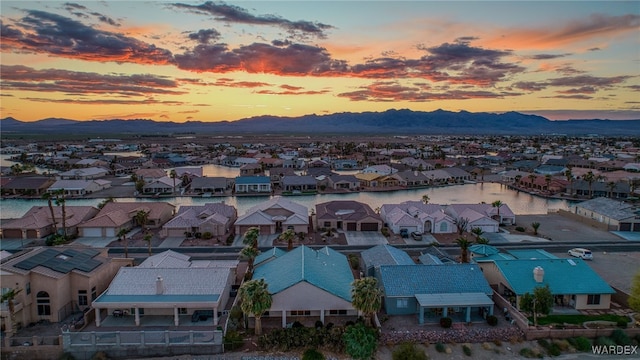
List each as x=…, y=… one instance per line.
x=230, y=239
x=445, y=322
x=207, y=235
x=528, y=353
x=562, y=344
x=466, y=350
x=492, y=320
x=621, y=324
x=440, y=347
x=354, y=261
x=486, y=346
x=498, y=342
x=521, y=229
x=232, y=340
x=554, y=349
x=312, y=354
x=385, y=232
x=360, y=341
x=408, y=351
x=620, y=337
x=67, y=356
x=297, y=324
x=604, y=341
x=318, y=324
x=582, y=344
x=544, y=343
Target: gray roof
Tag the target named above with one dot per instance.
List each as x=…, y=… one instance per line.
x=617, y=210
x=385, y=255
x=299, y=180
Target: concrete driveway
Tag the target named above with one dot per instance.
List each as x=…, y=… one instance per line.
x=365, y=238
x=96, y=242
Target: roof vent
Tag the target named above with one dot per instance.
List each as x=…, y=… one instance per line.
x=570, y=261
x=538, y=274
x=159, y=286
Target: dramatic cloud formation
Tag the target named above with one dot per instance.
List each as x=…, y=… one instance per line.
x=205, y=36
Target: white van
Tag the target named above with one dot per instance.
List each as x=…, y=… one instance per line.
x=581, y=253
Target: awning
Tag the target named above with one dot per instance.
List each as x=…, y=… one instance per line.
x=453, y=300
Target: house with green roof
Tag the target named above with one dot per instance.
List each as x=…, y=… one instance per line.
x=572, y=282
x=435, y=291
x=305, y=282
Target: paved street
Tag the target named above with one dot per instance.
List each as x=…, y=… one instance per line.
x=263, y=240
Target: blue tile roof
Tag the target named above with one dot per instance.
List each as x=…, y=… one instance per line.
x=408, y=280
x=527, y=254
x=246, y=180
x=324, y=268
x=564, y=276
x=385, y=255
x=268, y=255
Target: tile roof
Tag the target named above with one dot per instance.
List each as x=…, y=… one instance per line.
x=408, y=280
x=345, y=210
x=385, y=255
x=269, y=255
x=564, y=276
x=611, y=208
x=531, y=254
x=324, y=268
x=247, y=180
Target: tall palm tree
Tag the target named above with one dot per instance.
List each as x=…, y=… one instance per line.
x=122, y=234
x=482, y=241
x=464, y=248
x=569, y=175
x=590, y=178
x=477, y=232
x=173, y=174
x=366, y=297
x=9, y=297
x=497, y=204
x=518, y=178
x=532, y=178
x=547, y=180
x=142, y=217
x=251, y=237
x=255, y=299
x=250, y=253
x=147, y=238
x=611, y=185
x=288, y=237
x=60, y=201
x=425, y=199
x=49, y=197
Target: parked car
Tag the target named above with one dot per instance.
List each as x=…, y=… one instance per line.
x=581, y=253
x=404, y=233
x=416, y=235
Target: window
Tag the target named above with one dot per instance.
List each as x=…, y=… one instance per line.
x=300, y=312
x=82, y=298
x=327, y=224
x=44, y=304
x=443, y=227
x=94, y=293
x=182, y=311
x=337, y=312
x=27, y=288
x=593, y=299
x=402, y=303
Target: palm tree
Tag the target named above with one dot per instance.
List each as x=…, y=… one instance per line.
x=366, y=297
x=569, y=177
x=535, y=226
x=250, y=253
x=60, y=201
x=547, y=180
x=173, y=174
x=611, y=185
x=147, y=237
x=288, y=237
x=482, y=241
x=255, y=300
x=518, y=178
x=9, y=297
x=464, y=248
x=425, y=199
x=497, y=204
x=122, y=234
x=251, y=237
x=590, y=178
x=48, y=196
x=477, y=232
x=142, y=217
x=461, y=224
x=532, y=178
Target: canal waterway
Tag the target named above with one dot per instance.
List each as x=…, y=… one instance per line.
x=521, y=203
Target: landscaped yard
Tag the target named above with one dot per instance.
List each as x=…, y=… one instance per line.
x=579, y=319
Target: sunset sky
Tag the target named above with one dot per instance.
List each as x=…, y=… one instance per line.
x=213, y=61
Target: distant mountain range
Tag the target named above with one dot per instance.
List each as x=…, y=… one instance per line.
x=393, y=122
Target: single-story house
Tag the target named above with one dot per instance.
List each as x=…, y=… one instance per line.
x=379, y=255
x=253, y=185
x=164, y=185
x=28, y=185
x=482, y=214
x=432, y=291
x=308, y=283
x=37, y=222
x=83, y=174
x=347, y=215
x=115, y=216
x=417, y=216
x=300, y=184
x=572, y=282
x=615, y=214
x=274, y=216
x=79, y=187
x=214, y=185
x=213, y=218
x=343, y=182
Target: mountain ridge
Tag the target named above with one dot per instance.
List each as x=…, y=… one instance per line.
x=395, y=121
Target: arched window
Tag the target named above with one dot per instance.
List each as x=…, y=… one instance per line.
x=44, y=304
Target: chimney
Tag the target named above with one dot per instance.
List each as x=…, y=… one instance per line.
x=159, y=286
x=538, y=274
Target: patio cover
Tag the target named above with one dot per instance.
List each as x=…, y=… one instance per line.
x=447, y=300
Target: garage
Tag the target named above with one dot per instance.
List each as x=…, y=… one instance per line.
x=369, y=227
x=410, y=229
x=265, y=229
x=32, y=234
x=12, y=234
x=92, y=232
x=352, y=226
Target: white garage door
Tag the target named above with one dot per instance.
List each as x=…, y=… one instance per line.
x=92, y=232
x=111, y=232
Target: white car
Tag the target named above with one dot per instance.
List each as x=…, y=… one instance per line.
x=584, y=254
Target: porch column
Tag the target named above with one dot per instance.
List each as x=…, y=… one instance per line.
x=215, y=316
x=468, y=314
x=322, y=315
x=176, y=319
x=445, y=311
x=421, y=316
x=136, y=313
x=98, y=317
x=284, y=319
x=491, y=310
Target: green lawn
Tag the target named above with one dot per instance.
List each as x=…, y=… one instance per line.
x=578, y=319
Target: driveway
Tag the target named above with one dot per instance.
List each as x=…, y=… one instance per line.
x=96, y=242
x=263, y=240
x=505, y=238
x=365, y=238
x=171, y=242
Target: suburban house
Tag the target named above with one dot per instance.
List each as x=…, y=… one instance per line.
x=37, y=222
x=343, y=182
x=484, y=216
x=379, y=255
x=277, y=173
x=115, y=216
x=411, y=178
x=347, y=215
x=150, y=174
x=417, y=216
x=211, y=185
x=307, y=283
x=572, y=282
x=615, y=215
x=458, y=291
x=83, y=174
x=369, y=180
x=79, y=187
x=274, y=216
x=379, y=169
x=163, y=185
x=214, y=218
x=55, y=283
x=299, y=184
x=168, y=285
x=253, y=185
x=28, y=185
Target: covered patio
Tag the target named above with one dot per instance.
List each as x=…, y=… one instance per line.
x=439, y=305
